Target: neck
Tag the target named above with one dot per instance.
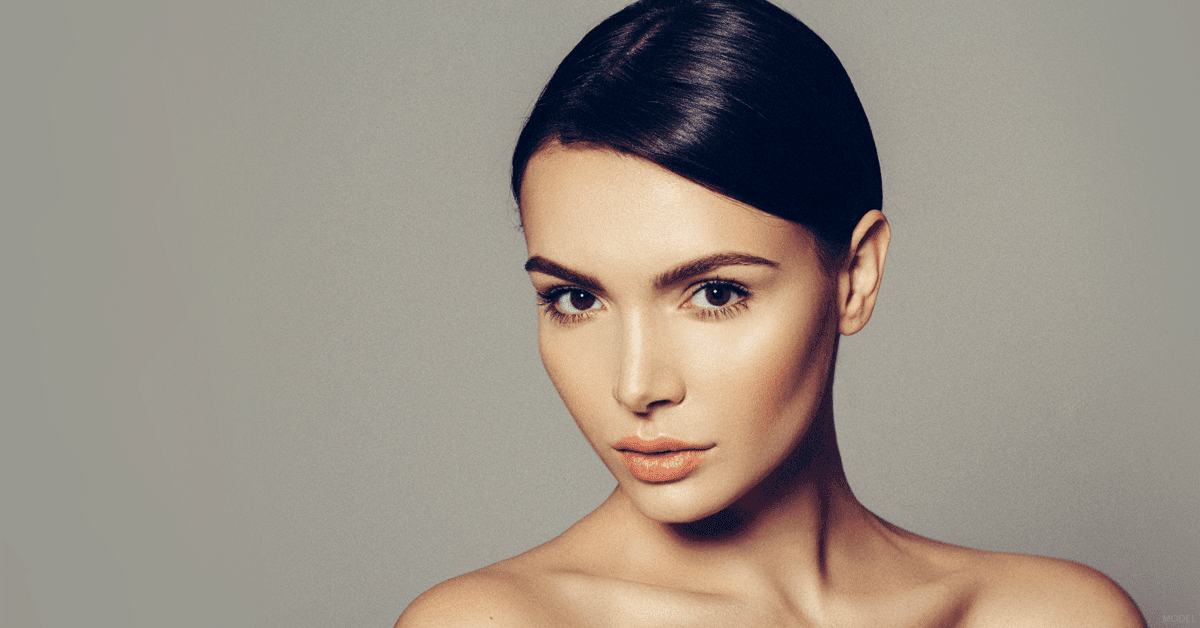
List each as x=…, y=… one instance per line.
x=787, y=528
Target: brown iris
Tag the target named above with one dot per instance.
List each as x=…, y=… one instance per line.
x=581, y=300
x=718, y=296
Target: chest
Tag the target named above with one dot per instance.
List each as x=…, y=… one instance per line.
x=630, y=605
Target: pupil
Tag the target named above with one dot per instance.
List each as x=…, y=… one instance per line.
x=718, y=295
x=581, y=300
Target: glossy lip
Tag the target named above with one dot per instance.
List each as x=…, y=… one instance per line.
x=660, y=460
x=656, y=446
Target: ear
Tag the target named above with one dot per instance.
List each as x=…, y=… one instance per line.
x=862, y=270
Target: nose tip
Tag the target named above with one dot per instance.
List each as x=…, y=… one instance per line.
x=647, y=376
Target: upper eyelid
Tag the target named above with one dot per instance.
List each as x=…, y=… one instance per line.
x=736, y=285
x=556, y=290
x=559, y=288
x=718, y=280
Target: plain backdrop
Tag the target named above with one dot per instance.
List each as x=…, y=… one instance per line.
x=269, y=355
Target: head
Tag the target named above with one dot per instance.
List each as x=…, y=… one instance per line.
x=699, y=191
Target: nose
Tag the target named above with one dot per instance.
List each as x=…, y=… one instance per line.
x=647, y=375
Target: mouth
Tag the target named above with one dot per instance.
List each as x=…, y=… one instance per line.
x=661, y=459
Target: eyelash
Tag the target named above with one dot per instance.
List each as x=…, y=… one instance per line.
x=548, y=299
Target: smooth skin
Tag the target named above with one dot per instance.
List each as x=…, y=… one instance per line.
x=670, y=310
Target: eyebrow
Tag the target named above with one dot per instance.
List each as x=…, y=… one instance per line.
x=539, y=264
x=708, y=263
x=677, y=275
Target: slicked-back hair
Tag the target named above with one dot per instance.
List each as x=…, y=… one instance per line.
x=735, y=95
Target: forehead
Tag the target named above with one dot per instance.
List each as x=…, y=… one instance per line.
x=597, y=209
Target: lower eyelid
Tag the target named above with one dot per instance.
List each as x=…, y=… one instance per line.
x=563, y=318
x=732, y=309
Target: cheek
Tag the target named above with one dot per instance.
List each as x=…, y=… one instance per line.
x=793, y=374
x=577, y=366
x=777, y=375
x=776, y=384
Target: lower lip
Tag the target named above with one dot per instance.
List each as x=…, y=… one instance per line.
x=667, y=466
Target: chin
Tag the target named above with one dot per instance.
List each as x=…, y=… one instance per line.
x=699, y=522
x=676, y=502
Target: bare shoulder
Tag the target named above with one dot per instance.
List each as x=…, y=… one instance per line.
x=1019, y=590
x=525, y=590
x=493, y=597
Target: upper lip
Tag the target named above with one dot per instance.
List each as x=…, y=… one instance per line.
x=656, y=446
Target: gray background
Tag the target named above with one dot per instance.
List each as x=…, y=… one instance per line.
x=269, y=356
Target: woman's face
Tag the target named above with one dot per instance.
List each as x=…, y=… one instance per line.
x=689, y=335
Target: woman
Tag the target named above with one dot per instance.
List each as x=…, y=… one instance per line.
x=700, y=195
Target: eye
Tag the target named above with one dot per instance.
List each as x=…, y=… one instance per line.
x=717, y=294
x=566, y=305
x=575, y=301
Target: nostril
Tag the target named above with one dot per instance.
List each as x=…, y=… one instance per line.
x=652, y=391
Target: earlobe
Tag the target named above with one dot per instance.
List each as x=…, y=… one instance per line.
x=859, y=278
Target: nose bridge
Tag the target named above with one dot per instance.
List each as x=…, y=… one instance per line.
x=646, y=375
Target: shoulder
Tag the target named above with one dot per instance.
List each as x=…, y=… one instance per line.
x=1019, y=590
x=530, y=590
x=492, y=597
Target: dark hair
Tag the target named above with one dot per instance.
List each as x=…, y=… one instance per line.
x=736, y=95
